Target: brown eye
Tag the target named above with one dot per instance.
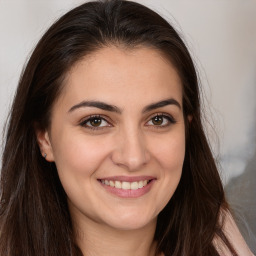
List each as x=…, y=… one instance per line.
x=157, y=120
x=95, y=121
x=161, y=121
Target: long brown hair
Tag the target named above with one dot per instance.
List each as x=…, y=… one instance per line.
x=34, y=217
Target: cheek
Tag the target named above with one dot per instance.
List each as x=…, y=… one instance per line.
x=78, y=155
x=77, y=159
x=170, y=152
x=173, y=159
x=170, y=156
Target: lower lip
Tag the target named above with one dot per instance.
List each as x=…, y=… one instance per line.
x=129, y=193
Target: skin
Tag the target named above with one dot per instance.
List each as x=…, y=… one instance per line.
x=128, y=143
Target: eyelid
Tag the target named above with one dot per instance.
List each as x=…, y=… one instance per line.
x=169, y=117
x=88, y=118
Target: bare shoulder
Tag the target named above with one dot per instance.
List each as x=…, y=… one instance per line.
x=233, y=234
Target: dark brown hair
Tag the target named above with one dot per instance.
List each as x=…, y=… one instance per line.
x=34, y=217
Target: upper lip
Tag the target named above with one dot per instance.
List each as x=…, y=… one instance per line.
x=128, y=178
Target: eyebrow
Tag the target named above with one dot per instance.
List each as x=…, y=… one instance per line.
x=96, y=104
x=160, y=104
x=113, y=108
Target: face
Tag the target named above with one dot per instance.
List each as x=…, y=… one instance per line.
x=117, y=137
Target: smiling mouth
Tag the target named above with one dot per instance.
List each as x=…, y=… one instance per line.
x=128, y=187
x=125, y=185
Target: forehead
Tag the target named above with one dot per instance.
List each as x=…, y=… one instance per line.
x=140, y=75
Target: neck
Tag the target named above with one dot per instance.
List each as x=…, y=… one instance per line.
x=98, y=239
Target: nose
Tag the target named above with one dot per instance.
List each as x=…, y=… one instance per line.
x=131, y=150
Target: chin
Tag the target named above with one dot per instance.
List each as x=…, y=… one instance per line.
x=131, y=222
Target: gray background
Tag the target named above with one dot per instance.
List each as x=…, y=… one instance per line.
x=221, y=36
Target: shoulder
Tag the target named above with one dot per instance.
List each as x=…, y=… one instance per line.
x=233, y=234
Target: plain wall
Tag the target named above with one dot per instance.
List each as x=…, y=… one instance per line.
x=221, y=36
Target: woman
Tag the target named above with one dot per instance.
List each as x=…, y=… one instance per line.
x=105, y=153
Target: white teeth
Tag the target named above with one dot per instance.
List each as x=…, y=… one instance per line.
x=125, y=184
x=134, y=185
x=141, y=183
x=118, y=184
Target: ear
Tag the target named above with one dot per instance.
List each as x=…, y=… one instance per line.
x=44, y=143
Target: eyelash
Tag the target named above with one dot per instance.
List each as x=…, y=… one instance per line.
x=93, y=117
x=168, y=117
